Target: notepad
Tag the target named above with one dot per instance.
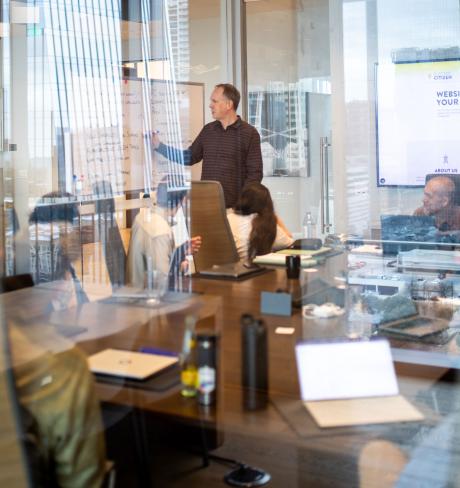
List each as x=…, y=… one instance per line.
x=277, y=259
x=351, y=383
x=129, y=364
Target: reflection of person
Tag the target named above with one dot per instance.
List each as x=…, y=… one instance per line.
x=60, y=409
x=255, y=227
x=54, y=245
x=429, y=462
x=152, y=237
x=229, y=147
x=438, y=201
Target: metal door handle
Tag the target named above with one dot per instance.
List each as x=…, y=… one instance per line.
x=324, y=174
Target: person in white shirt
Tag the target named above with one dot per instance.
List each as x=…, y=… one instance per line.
x=152, y=238
x=254, y=224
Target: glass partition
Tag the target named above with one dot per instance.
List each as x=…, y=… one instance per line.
x=356, y=106
x=93, y=219
x=369, y=89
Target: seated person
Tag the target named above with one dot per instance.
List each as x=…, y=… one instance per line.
x=254, y=224
x=432, y=460
x=152, y=238
x=438, y=201
x=55, y=245
x=60, y=411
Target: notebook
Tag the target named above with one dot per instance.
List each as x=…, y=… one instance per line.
x=351, y=383
x=129, y=364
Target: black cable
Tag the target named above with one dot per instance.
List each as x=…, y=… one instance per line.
x=223, y=460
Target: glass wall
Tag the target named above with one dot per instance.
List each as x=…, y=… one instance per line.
x=379, y=80
x=90, y=211
x=356, y=103
x=289, y=86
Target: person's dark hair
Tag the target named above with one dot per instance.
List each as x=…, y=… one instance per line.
x=255, y=198
x=169, y=196
x=230, y=92
x=53, y=207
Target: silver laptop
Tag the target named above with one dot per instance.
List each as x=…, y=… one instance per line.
x=351, y=383
x=129, y=364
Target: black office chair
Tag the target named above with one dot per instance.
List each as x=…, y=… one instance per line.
x=109, y=233
x=209, y=220
x=15, y=282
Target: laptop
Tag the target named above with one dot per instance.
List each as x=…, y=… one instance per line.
x=129, y=364
x=345, y=383
x=232, y=271
x=406, y=232
x=397, y=316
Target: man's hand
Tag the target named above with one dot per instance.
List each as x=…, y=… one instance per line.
x=421, y=211
x=194, y=245
x=155, y=139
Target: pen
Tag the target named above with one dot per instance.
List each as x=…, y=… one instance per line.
x=160, y=352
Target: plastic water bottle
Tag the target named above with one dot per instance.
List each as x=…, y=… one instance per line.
x=308, y=226
x=206, y=343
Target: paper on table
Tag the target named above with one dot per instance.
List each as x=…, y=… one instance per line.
x=362, y=411
x=285, y=330
x=367, y=249
x=304, y=252
x=280, y=260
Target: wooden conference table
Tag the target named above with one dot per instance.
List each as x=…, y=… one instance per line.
x=281, y=438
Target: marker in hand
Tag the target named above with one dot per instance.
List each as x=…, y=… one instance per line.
x=155, y=138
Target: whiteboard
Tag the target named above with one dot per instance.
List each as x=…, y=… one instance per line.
x=122, y=154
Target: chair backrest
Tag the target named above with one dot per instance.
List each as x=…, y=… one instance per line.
x=209, y=220
x=109, y=233
x=454, y=178
x=15, y=282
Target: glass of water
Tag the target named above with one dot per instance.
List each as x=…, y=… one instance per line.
x=156, y=284
x=358, y=321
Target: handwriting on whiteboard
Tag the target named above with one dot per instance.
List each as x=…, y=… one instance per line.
x=122, y=154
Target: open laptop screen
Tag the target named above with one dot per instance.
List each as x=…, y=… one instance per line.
x=406, y=232
x=345, y=369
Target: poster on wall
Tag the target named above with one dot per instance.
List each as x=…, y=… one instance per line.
x=418, y=121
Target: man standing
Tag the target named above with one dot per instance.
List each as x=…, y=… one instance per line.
x=438, y=201
x=229, y=147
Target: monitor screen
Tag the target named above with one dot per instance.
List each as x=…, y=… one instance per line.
x=407, y=232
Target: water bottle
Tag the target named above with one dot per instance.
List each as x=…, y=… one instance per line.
x=254, y=378
x=206, y=343
x=308, y=226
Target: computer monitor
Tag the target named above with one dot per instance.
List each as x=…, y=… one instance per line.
x=407, y=232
